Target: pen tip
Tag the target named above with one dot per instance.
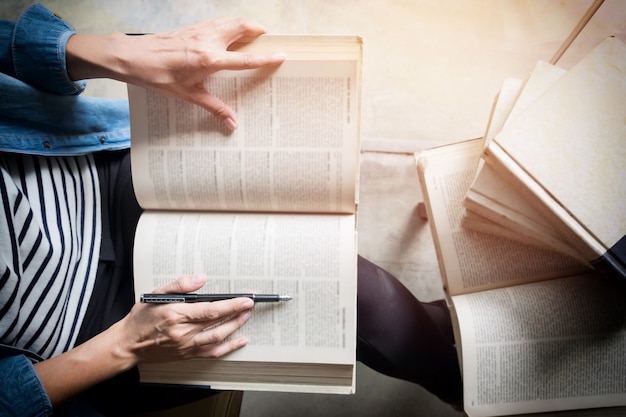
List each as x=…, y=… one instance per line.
x=286, y=298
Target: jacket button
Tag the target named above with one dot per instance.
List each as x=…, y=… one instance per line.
x=102, y=139
x=47, y=145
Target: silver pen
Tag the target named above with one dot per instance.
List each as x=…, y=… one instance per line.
x=197, y=298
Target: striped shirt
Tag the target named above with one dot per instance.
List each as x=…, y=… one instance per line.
x=49, y=246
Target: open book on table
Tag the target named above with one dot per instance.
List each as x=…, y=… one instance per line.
x=536, y=330
x=268, y=208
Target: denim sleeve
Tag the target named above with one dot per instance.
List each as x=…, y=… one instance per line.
x=32, y=49
x=37, y=122
x=21, y=391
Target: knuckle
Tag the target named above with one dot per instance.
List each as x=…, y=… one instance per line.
x=238, y=23
x=216, y=336
x=211, y=313
x=177, y=335
x=217, y=353
x=171, y=316
x=220, y=110
x=170, y=322
x=249, y=61
x=207, y=61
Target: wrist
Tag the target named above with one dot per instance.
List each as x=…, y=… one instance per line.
x=122, y=348
x=90, y=363
x=96, y=56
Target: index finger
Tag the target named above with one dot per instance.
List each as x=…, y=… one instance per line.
x=216, y=310
x=232, y=60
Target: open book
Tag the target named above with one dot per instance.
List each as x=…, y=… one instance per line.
x=536, y=329
x=268, y=208
x=562, y=154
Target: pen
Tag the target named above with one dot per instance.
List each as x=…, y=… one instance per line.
x=196, y=298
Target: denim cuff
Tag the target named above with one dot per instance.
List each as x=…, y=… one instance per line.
x=21, y=391
x=38, y=48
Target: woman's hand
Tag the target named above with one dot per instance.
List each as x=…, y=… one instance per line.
x=165, y=332
x=149, y=333
x=176, y=62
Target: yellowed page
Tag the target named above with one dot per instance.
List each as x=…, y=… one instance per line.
x=256, y=376
x=474, y=221
x=502, y=107
x=470, y=260
x=295, y=148
x=490, y=195
x=569, y=146
x=511, y=215
x=547, y=346
x=310, y=257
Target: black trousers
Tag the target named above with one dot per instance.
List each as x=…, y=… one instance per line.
x=398, y=335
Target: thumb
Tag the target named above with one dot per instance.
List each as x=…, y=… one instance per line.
x=184, y=284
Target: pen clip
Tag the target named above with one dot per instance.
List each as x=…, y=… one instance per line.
x=157, y=299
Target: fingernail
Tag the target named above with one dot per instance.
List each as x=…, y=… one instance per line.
x=280, y=55
x=247, y=303
x=230, y=123
x=246, y=316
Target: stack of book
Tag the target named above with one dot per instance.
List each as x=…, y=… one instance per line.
x=529, y=226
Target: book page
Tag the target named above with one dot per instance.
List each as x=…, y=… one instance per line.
x=470, y=260
x=570, y=143
x=587, y=412
x=553, y=345
x=502, y=107
x=474, y=221
x=309, y=257
x=319, y=378
x=497, y=200
x=490, y=195
x=295, y=148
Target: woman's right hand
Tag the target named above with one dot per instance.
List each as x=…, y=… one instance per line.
x=149, y=333
x=166, y=332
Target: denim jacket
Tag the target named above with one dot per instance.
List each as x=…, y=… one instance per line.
x=43, y=113
x=41, y=109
